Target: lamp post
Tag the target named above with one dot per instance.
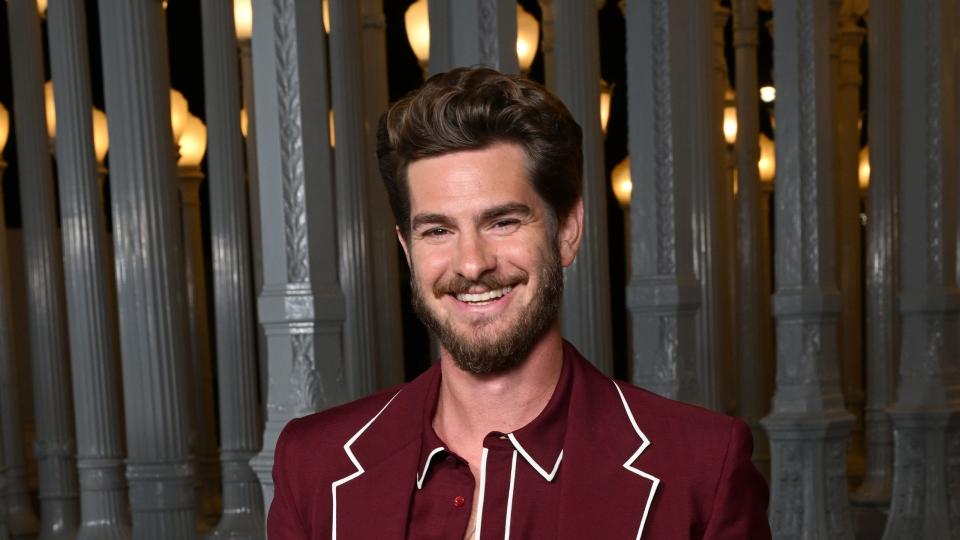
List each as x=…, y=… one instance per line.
x=243, y=26
x=193, y=145
x=9, y=420
x=233, y=306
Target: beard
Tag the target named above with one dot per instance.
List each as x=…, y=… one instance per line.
x=482, y=350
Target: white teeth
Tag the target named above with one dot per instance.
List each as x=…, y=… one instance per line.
x=483, y=297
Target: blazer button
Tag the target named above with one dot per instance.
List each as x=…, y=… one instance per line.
x=459, y=501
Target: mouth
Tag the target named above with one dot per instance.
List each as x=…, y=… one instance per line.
x=484, y=298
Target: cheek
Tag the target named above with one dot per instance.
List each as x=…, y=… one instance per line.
x=429, y=263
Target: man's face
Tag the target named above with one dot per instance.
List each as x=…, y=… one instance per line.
x=486, y=255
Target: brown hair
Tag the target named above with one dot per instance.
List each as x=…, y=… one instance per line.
x=471, y=109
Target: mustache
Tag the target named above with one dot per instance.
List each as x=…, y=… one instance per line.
x=458, y=284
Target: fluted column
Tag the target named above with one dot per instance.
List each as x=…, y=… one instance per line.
x=585, y=316
x=233, y=298
x=713, y=214
x=663, y=294
x=253, y=196
x=925, y=414
x=203, y=425
x=382, y=235
x=808, y=427
x=473, y=32
x=93, y=338
x=751, y=299
x=22, y=521
x=301, y=307
x=882, y=245
x=850, y=36
x=54, y=446
x=353, y=186
x=149, y=268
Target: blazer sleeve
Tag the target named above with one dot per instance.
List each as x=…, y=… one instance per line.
x=283, y=520
x=740, y=503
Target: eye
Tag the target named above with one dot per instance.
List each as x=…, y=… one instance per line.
x=436, y=232
x=506, y=224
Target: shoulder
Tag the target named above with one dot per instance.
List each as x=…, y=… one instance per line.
x=316, y=435
x=679, y=423
x=667, y=423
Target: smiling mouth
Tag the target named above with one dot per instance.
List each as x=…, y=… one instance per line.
x=479, y=299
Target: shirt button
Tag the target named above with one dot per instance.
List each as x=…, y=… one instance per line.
x=459, y=501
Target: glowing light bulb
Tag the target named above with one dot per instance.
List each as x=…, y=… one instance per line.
x=621, y=182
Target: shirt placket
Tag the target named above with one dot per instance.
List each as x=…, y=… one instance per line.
x=498, y=473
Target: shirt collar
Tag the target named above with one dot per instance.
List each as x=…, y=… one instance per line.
x=540, y=442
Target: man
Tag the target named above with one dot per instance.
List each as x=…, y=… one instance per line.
x=512, y=433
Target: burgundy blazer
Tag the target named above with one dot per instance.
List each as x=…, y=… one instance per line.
x=635, y=465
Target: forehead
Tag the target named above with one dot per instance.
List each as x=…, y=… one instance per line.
x=470, y=180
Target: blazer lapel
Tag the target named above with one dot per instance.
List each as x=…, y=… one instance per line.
x=375, y=503
x=372, y=500
x=606, y=491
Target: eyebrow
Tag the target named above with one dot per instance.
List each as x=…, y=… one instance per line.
x=489, y=214
x=430, y=219
x=505, y=210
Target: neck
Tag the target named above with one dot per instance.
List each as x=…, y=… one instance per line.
x=470, y=406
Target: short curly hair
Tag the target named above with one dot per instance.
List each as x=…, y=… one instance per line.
x=471, y=109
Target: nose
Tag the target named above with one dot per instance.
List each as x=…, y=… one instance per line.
x=474, y=256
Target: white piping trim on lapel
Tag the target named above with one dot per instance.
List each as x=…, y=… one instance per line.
x=513, y=477
x=483, y=488
x=547, y=475
x=628, y=464
x=346, y=448
x=427, y=466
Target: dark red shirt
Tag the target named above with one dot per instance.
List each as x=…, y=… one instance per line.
x=520, y=478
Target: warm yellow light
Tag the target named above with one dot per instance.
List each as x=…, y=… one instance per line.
x=528, y=38
x=730, y=124
x=326, y=16
x=417, y=22
x=864, y=169
x=243, y=19
x=179, y=111
x=768, y=94
x=606, y=95
x=243, y=122
x=622, y=185
x=101, y=135
x=42, y=7
x=193, y=142
x=4, y=127
x=767, y=165
x=333, y=135
x=50, y=109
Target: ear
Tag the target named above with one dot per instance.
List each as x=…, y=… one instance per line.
x=403, y=244
x=570, y=233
